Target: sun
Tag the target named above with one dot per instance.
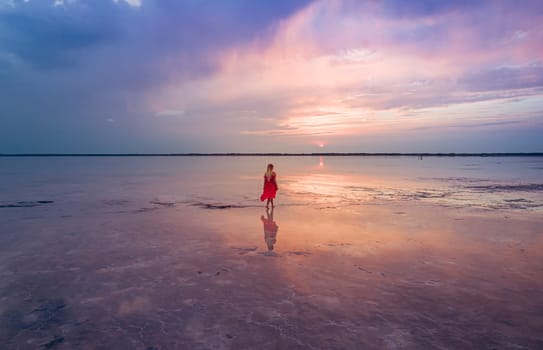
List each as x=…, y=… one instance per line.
x=321, y=144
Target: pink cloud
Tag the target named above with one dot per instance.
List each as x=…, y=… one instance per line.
x=335, y=68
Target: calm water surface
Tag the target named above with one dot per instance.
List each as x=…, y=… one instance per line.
x=360, y=253
x=483, y=182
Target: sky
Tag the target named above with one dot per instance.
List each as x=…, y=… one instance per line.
x=180, y=76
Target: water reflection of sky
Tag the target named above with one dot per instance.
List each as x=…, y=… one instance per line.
x=471, y=183
x=491, y=182
x=192, y=240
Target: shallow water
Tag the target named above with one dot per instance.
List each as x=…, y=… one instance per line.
x=482, y=182
x=360, y=252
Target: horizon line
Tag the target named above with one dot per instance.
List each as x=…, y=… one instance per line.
x=194, y=154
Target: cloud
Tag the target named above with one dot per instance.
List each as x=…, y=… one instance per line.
x=472, y=125
x=374, y=70
x=64, y=2
x=62, y=66
x=505, y=77
x=54, y=36
x=170, y=113
x=338, y=68
x=425, y=8
x=135, y=3
x=7, y=4
x=47, y=37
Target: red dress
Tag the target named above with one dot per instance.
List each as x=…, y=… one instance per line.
x=270, y=188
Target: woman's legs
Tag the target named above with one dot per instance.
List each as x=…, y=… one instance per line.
x=268, y=203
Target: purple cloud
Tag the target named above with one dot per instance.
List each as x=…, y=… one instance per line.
x=66, y=70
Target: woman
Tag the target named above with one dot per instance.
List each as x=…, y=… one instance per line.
x=270, y=186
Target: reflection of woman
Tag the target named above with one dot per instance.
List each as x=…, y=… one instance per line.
x=270, y=186
x=270, y=230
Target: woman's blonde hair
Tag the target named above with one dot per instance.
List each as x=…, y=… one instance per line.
x=269, y=171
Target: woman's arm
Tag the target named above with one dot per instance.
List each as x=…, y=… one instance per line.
x=275, y=181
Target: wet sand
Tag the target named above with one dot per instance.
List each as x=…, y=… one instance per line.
x=379, y=275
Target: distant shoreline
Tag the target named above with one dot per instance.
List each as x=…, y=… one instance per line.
x=348, y=154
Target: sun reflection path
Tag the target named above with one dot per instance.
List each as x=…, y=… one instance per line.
x=326, y=189
x=338, y=190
